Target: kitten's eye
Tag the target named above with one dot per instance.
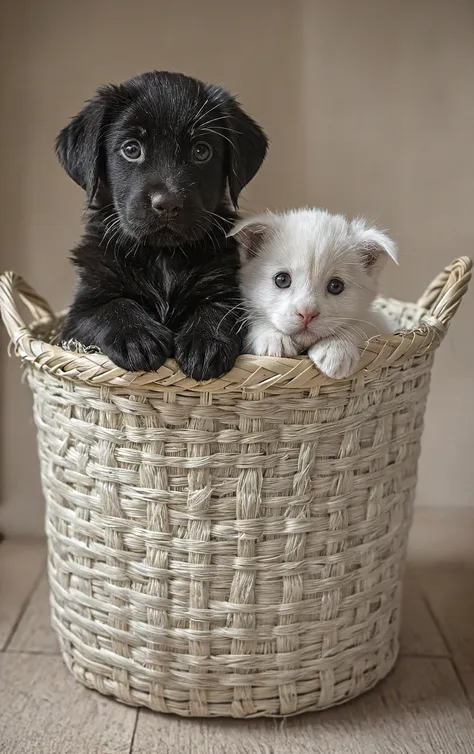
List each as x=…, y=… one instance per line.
x=202, y=152
x=132, y=150
x=282, y=280
x=335, y=286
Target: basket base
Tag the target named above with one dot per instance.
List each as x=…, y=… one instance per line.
x=310, y=701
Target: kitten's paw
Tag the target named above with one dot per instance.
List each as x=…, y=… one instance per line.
x=273, y=344
x=335, y=358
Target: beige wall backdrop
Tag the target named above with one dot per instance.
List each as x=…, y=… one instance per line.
x=370, y=110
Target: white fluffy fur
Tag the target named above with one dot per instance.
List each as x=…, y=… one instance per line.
x=313, y=246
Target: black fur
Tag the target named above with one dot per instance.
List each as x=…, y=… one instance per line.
x=158, y=282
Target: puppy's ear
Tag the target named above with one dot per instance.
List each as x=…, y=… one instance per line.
x=79, y=146
x=252, y=233
x=374, y=247
x=247, y=150
x=245, y=141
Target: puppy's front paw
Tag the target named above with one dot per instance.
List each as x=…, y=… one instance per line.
x=335, y=358
x=273, y=344
x=202, y=356
x=139, y=349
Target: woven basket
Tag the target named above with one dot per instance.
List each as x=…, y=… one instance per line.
x=234, y=547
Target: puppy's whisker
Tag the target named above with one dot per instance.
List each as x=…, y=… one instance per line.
x=196, y=116
x=206, y=231
x=111, y=231
x=218, y=127
x=213, y=228
x=211, y=131
x=213, y=120
x=208, y=112
x=229, y=311
x=215, y=222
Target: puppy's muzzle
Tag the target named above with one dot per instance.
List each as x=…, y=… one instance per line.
x=166, y=205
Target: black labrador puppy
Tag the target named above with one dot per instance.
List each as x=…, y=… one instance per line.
x=157, y=157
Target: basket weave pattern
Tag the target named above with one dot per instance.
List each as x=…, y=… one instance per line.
x=236, y=550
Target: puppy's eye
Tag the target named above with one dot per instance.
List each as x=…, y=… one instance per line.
x=282, y=280
x=202, y=152
x=335, y=286
x=132, y=150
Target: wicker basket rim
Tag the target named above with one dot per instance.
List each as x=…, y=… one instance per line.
x=438, y=305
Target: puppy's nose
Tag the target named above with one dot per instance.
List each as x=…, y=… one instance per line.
x=307, y=315
x=166, y=204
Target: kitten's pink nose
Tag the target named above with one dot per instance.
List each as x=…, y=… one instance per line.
x=307, y=315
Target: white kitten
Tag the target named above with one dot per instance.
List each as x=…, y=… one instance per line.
x=308, y=280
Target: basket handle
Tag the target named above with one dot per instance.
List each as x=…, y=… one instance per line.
x=12, y=285
x=443, y=296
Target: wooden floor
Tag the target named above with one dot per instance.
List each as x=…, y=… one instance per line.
x=426, y=706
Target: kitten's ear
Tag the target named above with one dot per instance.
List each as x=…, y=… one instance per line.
x=374, y=247
x=251, y=233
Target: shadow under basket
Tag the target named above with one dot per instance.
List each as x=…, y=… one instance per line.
x=234, y=547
